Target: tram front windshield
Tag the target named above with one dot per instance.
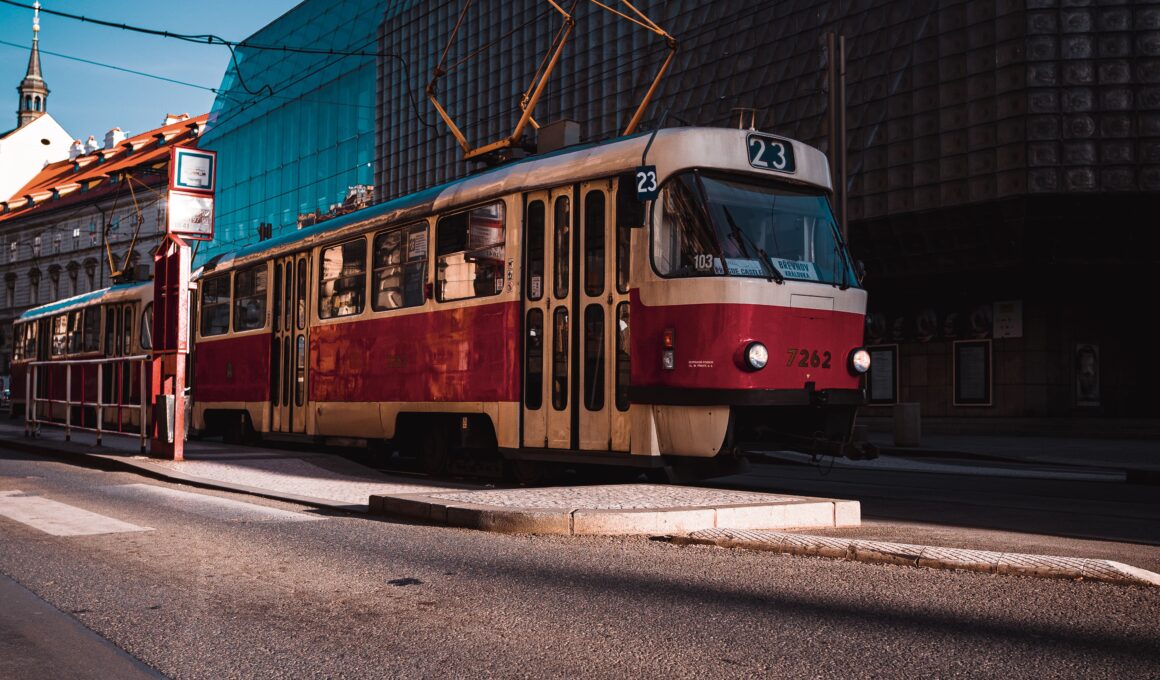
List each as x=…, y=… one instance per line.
x=713, y=225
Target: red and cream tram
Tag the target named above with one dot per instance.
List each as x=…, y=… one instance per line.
x=92, y=344
x=544, y=309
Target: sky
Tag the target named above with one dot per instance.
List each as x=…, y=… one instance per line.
x=87, y=99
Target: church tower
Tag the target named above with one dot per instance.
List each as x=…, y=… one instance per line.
x=33, y=92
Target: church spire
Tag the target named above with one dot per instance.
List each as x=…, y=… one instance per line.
x=33, y=102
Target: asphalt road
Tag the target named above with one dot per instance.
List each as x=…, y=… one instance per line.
x=217, y=585
x=1018, y=497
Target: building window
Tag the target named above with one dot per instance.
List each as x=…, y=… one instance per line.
x=343, y=279
x=470, y=249
x=10, y=290
x=34, y=287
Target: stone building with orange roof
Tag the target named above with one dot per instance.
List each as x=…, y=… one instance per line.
x=86, y=220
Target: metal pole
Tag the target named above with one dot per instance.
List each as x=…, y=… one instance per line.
x=840, y=114
x=28, y=396
x=100, y=400
x=143, y=401
x=832, y=123
x=68, y=402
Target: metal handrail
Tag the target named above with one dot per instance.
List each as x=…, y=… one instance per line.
x=33, y=421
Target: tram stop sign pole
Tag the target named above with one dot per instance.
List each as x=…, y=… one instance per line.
x=189, y=216
x=171, y=267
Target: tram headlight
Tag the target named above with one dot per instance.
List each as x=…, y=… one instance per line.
x=756, y=356
x=859, y=361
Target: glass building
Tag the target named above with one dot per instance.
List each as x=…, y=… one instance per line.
x=294, y=129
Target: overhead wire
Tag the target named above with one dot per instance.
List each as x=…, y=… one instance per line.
x=111, y=66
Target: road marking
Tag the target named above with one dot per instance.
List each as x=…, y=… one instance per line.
x=214, y=507
x=59, y=519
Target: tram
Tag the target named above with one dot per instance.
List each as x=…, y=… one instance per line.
x=90, y=345
x=670, y=297
x=543, y=310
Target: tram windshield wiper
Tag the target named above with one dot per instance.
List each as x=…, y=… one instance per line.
x=742, y=238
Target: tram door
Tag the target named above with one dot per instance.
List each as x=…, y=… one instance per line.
x=289, y=344
x=118, y=379
x=570, y=306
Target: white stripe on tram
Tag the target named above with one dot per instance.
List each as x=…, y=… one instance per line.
x=59, y=519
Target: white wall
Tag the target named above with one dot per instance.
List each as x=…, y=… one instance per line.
x=23, y=153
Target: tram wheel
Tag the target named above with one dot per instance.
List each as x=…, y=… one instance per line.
x=434, y=451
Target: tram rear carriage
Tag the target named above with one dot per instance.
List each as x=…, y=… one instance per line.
x=105, y=324
x=541, y=308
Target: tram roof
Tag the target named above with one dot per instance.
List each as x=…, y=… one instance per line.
x=115, y=293
x=584, y=162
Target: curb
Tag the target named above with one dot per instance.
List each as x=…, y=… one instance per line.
x=580, y=520
x=930, y=557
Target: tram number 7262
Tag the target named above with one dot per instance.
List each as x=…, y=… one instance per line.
x=806, y=358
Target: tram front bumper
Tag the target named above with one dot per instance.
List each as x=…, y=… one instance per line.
x=807, y=420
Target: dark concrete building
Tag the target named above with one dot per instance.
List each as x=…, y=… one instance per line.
x=1003, y=163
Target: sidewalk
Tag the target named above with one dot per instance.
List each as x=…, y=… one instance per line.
x=1137, y=457
x=328, y=480
x=312, y=478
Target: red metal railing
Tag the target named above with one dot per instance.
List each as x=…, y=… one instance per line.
x=42, y=406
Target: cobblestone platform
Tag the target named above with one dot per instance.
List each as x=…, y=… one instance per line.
x=617, y=509
x=294, y=477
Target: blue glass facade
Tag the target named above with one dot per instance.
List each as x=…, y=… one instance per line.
x=294, y=130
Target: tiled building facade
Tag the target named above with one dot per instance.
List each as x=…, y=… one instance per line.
x=997, y=153
x=102, y=209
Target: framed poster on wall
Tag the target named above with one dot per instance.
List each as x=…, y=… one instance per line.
x=1087, y=374
x=882, y=379
x=972, y=373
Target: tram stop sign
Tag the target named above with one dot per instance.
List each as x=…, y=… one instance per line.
x=192, y=175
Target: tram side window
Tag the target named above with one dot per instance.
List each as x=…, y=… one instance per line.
x=59, y=335
x=250, y=298
x=20, y=338
x=470, y=253
x=535, y=267
x=28, y=341
x=110, y=330
x=215, y=305
x=91, y=336
x=594, y=243
x=400, y=268
x=343, y=281
x=127, y=329
x=147, y=327
x=74, y=331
